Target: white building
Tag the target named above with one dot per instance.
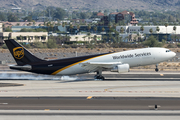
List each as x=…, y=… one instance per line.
x=25, y=36
x=137, y=29
x=84, y=37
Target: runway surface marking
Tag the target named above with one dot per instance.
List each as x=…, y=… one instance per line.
x=3, y=103
x=161, y=74
x=46, y=109
x=89, y=97
x=134, y=91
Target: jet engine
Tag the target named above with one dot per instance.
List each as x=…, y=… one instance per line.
x=121, y=68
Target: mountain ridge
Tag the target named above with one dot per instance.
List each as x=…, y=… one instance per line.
x=93, y=4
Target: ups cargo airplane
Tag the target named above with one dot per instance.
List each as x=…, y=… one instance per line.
x=115, y=62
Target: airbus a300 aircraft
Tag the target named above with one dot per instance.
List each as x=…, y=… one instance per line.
x=116, y=62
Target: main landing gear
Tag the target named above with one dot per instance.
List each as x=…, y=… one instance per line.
x=156, y=69
x=99, y=76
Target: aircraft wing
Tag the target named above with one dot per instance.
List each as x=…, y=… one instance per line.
x=94, y=66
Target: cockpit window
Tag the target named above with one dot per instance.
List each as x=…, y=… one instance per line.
x=168, y=50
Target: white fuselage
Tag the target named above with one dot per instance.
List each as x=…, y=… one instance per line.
x=137, y=57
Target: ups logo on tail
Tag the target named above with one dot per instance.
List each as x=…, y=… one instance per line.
x=18, y=52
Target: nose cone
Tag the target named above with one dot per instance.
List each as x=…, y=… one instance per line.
x=173, y=54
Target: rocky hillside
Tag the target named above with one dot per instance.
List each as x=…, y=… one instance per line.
x=93, y=4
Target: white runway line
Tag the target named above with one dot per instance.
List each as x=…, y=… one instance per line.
x=3, y=103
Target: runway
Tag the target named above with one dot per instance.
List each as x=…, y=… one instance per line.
x=94, y=103
x=133, y=84
x=88, y=115
x=32, y=96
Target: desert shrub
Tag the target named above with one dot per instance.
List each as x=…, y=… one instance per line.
x=51, y=44
x=74, y=46
x=91, y=46
x=170, y=46
x=39, y=45
x=152, y=42
x=27, y=46
x=66, y=46
x=178, y=44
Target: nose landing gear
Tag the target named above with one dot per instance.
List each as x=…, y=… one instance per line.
x=156, y=69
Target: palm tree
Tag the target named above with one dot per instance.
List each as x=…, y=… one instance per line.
x=66, y=37
x=63, y=24
x=95, y=37
x=78, y=27
x=48, y=25
x=158, y=29
x=89, y=36
x=21, y=38
x=29, y=39
x=76, y=39
x=122, y=30
x=58, y=24
x=166, y=24
x=3, y=26
x=89, y=27
x=34, y=23
x=103, y=29
x=139, y=38
x=29, y=24
x=114, y=26
x=142, y=28
x=174, y=28
x=71, y=27
x=52, y=27
x=151, y=30
x=109, y=26
x=95, y=28
x=109, y=35
x=17, y=24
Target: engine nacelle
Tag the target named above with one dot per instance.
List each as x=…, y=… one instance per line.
x=121, y=68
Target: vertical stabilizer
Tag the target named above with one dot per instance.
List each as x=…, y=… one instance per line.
x=21, y=55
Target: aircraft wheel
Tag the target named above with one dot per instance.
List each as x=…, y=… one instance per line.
x=156, y=69
x=99, y=77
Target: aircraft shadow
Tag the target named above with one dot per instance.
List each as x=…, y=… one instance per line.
x=67, y=81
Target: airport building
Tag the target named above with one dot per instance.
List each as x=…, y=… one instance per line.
x=85, y=38
x=10, y=24
x=25, y=37
x=18, y=28
x=127, y=17
x=137, y=29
